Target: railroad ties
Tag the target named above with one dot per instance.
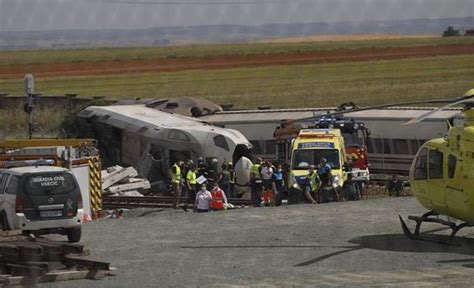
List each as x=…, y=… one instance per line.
x=130, y=202
x=26, y=260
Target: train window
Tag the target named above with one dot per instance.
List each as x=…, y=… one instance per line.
x=436, y=164
x=421, y=172
x=370, y=145
x=386, y=146
x=452, y=161
x=378, y=145
x=414, y=146
x=400, y=146
x=256, y=148
x=220, y=141
x=178, y=135
x=270, y=147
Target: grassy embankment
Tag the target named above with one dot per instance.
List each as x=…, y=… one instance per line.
x=107, y=54
x=369, y=82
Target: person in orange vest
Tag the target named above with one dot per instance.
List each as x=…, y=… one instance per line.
x=219, y=200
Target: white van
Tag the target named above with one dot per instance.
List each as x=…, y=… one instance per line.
x=41, y=200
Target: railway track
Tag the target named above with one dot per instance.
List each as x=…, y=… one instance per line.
x=27, y=260
x=130, y=202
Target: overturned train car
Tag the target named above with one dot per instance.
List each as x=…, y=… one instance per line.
x=152, y=140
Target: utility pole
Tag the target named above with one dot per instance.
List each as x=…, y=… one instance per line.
x=29, y=106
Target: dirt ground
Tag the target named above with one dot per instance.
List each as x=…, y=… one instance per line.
x=340, y=55
x=336, y=244
x=348, y=37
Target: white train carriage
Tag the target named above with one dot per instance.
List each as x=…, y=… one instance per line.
x=392, y=145
x=152, y=140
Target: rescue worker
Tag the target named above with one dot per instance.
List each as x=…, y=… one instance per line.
x=395, y=186
x=203, y=200
x=279, y=184
x=232, y=179
x=324, y=172
x=212, y=170
x=267, y=173
x=191, y=181
x=219, y=200
x=176, y=182
x=268, y=192
x=201, y=168
x=325, y=175
x=185, y=167
x=313, y=185
x=350, y=189
x=255, y=183
x=224, y=179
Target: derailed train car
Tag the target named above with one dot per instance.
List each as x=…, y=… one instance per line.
x=152, y=140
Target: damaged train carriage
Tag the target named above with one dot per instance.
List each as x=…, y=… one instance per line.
x=152, y=140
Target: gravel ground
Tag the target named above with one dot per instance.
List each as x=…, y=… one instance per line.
x=336, y=244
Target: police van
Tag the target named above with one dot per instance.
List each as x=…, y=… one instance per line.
x=41, y=200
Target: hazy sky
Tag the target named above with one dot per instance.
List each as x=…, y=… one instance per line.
x=129, y=14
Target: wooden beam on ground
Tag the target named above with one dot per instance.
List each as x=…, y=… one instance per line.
x=144, y=184
x=87, y=263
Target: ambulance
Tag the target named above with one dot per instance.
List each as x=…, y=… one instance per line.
x=309, y=147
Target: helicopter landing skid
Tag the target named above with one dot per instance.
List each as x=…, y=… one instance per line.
x=427, y=217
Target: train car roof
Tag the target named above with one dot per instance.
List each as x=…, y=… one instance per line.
x=151, y=122
x=275, y=115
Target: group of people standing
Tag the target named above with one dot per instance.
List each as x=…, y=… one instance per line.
x=266, y=183
x=192, y=180
x=207, y=189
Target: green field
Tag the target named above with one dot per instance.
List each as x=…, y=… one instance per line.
x=104, y=54
x=315, y=85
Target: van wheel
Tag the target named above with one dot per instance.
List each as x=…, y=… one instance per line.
x=74, y=234
x=5, y=226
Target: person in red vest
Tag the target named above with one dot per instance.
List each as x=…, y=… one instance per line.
x=219, y=200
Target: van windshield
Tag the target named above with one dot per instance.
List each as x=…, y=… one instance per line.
x=49, y=184
x=302, y=158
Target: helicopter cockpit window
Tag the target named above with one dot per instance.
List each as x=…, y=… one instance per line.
x=436, y=164
x=421, y=167
x=452, y=161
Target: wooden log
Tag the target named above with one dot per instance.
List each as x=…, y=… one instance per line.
x=25, y=270
x=74, y=261
x=66, y=248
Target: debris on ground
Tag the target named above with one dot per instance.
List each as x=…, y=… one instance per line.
x=120, y=181
x=26, y=260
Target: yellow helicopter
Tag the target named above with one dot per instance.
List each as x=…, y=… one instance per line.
x=442, y=172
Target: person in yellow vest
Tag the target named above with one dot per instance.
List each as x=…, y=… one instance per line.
x=191, y=181
x=313, y=185
x=255, y=183
x=176, y=182
x=233, y=178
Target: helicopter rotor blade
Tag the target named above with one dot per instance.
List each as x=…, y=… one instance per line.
x=381, y=106
x=469, y=99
